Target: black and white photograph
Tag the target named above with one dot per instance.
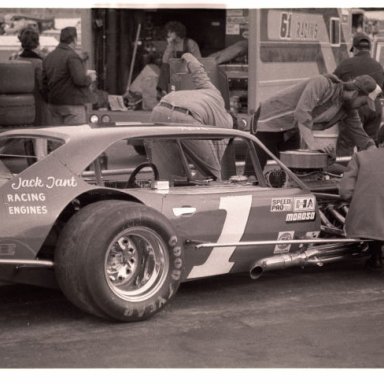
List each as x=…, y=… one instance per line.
x=191, y=191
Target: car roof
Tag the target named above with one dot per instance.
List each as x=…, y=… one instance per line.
x=117, y=130
x=83, y=143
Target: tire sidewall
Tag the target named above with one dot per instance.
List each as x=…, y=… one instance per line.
x=69, y=264
x=122, y=217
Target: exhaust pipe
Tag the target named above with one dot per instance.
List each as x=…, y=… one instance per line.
x=321, y=255
x=280, y=262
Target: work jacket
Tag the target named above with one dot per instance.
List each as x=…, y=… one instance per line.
x=316, y=103
x=363, y=182
x=360, y=64
x=65, y=81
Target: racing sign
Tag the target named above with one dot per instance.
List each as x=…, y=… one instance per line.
x=283, y=25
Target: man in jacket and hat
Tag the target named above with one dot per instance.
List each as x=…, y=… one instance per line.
x=361, y=64
x=362, y=185
x=66, y=82
x=287, y=120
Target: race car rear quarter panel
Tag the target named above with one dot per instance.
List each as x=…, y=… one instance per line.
x=238, y=214
x=32, y=201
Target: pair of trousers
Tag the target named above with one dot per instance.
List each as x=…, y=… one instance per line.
x=67, y=114
x=202, y=152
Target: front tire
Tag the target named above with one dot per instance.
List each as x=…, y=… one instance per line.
x=119, y=260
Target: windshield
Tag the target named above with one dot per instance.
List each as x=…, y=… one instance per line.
x=19, y=153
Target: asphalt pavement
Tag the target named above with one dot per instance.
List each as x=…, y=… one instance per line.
x=331, y=317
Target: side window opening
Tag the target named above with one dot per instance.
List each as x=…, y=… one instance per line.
x=19, y=153
x=113, y=167
x=277, y=175
x=185, y=161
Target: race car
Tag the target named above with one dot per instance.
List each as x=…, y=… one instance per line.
x=118, y=231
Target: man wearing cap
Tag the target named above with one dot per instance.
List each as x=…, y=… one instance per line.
x=361, y=64
x=287, y=120
x=65, y=81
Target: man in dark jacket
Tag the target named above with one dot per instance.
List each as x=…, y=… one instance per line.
x=363, y=185
x=65, y=81
x=361, y=64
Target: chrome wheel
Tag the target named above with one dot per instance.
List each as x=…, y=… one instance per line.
x=136, y=264
x=119, y=260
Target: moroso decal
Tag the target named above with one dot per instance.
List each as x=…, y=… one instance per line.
x=300, y=216
x=281, y=204
x=303, y=204
x=283, y=248
x=238, y=209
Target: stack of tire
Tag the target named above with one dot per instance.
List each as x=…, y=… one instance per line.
x=17, y=102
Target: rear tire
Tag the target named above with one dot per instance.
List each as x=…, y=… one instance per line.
x=120, y=260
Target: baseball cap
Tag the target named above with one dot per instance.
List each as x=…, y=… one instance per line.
x=368, y=86
x=361, y=41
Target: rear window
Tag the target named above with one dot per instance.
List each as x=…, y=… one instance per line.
x=19, y=153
